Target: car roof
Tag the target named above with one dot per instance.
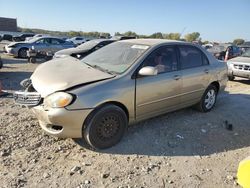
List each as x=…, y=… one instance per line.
x=152, y=42
x=44, y=37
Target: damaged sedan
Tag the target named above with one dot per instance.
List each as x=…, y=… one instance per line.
x=96, y=98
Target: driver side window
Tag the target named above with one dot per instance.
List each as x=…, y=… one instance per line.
x=163, y=59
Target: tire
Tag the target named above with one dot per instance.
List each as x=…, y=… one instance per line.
x=230, y=78
x=22, y=53
x=105, y=127
x=32, y=60
x=208, y=99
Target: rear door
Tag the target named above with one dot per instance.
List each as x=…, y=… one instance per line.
x=195, y=73
x=56, y=45
x=160, y=93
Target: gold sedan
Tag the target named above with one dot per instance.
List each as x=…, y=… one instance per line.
x=96, y=98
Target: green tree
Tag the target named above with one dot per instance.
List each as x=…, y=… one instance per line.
x=172, y=36
x=118, y=34
x=157, y=35
x=130, y=34
x=238, y=41
x=192, y=36
x=206, y=42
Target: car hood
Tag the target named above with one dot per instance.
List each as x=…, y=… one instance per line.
x=14, y=43
x=63, y=73
x=70, y=51
x=240, y=59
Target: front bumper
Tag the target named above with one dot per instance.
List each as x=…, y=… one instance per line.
x=10, y=51
x=239, y=73
x=61, y=122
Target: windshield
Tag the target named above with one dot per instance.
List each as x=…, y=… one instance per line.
x=246, y=53
x=116, y=57
x=88, y=45
x=33, y=39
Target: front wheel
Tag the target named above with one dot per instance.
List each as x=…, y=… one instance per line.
x=105, y=127
x=208, y=99
x=22, y=53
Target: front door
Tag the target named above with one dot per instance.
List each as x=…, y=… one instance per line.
x=159, y=93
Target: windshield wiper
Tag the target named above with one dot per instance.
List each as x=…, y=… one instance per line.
x=101, y=69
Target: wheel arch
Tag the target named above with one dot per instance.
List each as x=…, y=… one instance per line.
x=216, y=84
x=116, y=103
x=26, y=48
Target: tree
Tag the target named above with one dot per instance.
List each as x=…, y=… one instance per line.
x=130, y=34
x=192, y=36
x=238, y=41
x=172, y=36
x=118, y=34
x=206, y=42
x=157, y=35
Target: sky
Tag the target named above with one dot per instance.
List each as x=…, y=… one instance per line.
x=215, y=20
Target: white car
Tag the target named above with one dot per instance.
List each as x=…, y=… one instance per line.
x=36, y=36
x=77, y=40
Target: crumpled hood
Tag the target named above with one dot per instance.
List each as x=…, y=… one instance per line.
x=240, y=59
x=62, y=73
x=70, y=51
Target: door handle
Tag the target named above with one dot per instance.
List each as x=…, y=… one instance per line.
x=177, y=77
x=206, y=71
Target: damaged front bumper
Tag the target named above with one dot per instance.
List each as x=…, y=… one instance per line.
x=59, y=122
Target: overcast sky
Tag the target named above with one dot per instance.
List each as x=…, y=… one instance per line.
x=216, y=20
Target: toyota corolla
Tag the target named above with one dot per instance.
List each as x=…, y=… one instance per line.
x=96, y=98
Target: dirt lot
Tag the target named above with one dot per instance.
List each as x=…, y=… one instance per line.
x=180, y=149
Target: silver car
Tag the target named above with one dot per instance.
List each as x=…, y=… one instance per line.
x=239, y=66
x=120, y=84
x=44, y=44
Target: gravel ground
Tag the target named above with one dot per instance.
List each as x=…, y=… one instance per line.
x=180, y=149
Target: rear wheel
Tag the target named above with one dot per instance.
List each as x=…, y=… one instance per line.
x=208, y=99
x=105, y=127
x=22, y=53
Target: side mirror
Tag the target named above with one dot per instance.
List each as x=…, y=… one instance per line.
x=148, y=71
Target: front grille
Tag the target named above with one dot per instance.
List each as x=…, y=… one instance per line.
x=242, y=67
x=27, y=98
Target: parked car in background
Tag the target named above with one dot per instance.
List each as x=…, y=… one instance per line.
x=77, y=40
x=96, y=98
x=84, y=49
x=36, y=36
x=239, y=66
x=245, y=46
x=22, y=37
x=43, y=44
x=219, y=51
x=7, y=37
x=207, y=46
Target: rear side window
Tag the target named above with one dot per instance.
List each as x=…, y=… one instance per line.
x=56, y=41
x=190, y=57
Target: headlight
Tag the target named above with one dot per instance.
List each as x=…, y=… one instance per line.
x=229, y=64
x=58, y=100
